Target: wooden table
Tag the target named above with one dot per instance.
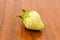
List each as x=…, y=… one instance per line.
x=13, y=29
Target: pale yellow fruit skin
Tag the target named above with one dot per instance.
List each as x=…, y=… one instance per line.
x=33, y=22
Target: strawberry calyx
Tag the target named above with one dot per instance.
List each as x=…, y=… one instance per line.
x=24, y=14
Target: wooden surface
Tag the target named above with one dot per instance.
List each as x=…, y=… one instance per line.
x=13, y=29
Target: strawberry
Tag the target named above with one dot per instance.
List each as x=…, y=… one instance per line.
x=31, y=20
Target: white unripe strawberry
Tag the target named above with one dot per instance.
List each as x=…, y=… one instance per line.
x=31, y=20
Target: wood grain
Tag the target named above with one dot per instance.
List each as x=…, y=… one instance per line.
x=13, y=29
